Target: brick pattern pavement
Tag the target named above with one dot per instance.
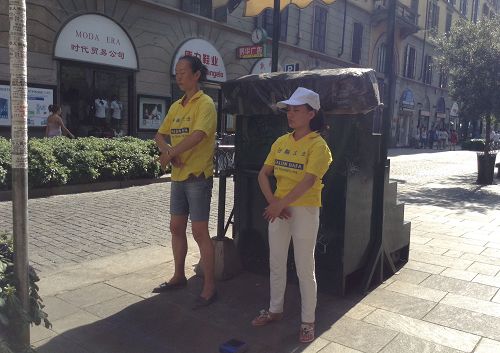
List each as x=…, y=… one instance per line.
x=70, y=229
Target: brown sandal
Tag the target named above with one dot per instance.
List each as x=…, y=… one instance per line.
x=265, y=317
x=306, y=334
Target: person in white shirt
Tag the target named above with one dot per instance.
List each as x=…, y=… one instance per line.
x=116, y=115
x=100, y=106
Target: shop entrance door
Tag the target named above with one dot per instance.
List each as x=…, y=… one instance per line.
x=96, y=100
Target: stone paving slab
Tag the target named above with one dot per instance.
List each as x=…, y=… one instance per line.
x=98, y=268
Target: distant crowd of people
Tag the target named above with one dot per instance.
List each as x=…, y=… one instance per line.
x=439, y=138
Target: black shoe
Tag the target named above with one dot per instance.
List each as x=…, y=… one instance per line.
x=201, y=302
x=166, y=286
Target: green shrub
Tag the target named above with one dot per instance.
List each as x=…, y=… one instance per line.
x=5, y=161
x=60, y=161
x=473, y=145
x=10, y=306
x=43, y=167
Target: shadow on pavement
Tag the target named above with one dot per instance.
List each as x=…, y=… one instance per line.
x=166, y=323
x=457, y=193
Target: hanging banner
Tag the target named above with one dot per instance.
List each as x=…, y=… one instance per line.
x=39, y=100
x=96, y=39
x=208, y=55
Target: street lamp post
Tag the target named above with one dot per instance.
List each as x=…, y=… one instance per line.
x=379, y=255
x=276, y=35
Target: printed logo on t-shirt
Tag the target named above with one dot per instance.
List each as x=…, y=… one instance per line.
x=288, y=164
x=184, y=130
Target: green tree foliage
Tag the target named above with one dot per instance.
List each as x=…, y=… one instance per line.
x=470, y=53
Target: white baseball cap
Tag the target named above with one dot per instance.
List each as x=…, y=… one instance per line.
x=301, y=96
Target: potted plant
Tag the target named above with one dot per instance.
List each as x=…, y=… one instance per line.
x=11, y=311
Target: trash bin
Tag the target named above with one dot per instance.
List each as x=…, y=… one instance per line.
x=348, y=99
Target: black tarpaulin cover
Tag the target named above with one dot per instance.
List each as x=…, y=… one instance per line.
x=342, y=91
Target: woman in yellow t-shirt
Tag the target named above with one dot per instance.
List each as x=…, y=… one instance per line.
x=298, y=160
x=190, y=124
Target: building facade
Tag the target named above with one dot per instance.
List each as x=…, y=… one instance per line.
x=110, y=64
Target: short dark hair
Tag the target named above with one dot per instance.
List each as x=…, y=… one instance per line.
x=196, y=65
x=54, y=108
x=318, y=122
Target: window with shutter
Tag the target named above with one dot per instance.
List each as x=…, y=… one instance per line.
x=319, y=29
x=410, y=59
x=382, y=50
x=357, y=43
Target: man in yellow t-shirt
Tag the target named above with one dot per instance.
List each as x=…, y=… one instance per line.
x=191, y=125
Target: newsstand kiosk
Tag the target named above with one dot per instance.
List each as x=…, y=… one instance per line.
x=349, y=99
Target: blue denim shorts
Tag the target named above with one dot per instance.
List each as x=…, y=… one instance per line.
x=191, y=197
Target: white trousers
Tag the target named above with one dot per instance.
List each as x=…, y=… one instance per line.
x=302, y=227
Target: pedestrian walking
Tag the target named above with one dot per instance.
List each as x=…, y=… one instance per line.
x=432, y=137
x=444, y=138
x=191, y=124
x=55, y=125
x=453, y=140
x=423, y=137
x=298, y=161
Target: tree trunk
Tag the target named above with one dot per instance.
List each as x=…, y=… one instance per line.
x=19, y=139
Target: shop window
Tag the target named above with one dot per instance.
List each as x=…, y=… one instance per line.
x=357, y=43
x=381, y=53
x=95, y=101
x=427, y=76
x=319, y=29
x=410, y=61
x=198, y=7
x=266, y=21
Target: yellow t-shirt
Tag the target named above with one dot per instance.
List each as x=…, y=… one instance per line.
x=292, y=159
x=180, y=122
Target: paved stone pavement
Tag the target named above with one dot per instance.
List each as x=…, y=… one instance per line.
x=446, y=299
x=69, y=229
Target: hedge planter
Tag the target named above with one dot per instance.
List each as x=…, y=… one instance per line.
x=485, y=168
x=61, y=161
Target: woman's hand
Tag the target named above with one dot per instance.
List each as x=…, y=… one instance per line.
x=275, y=210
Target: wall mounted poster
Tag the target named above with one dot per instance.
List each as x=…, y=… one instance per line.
x=152, y=111
x=39, y=100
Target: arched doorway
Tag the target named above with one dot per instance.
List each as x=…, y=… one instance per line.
x=96, y=65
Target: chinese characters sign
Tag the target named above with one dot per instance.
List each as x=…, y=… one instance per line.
x=208, y=55
x=97, y=39
x=250, y=52
x=39, y=100
x=263, y=66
